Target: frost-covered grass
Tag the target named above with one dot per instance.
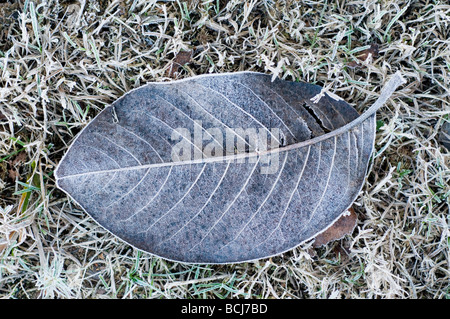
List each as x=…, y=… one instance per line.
x=63, y=61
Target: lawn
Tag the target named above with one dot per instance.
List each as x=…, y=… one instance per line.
x=63, y=61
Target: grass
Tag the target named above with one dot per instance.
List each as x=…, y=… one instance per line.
x=63, y=61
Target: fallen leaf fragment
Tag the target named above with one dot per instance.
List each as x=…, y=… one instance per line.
x=343, y=226
x=178, y=62
x=19, y=160
x=373, y=51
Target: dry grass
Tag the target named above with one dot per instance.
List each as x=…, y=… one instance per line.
x=62, y=61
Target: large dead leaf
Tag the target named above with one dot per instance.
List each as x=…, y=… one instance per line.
x=155, y=167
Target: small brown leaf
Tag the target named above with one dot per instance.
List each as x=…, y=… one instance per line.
x=14, y=171
x=180, y=59
x=343, y=226
x=373, y=51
